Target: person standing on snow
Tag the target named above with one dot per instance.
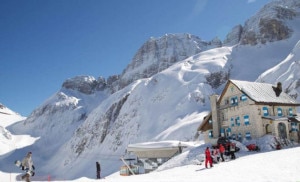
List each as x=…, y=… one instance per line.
x=232, y=150
x=208, y=157
x=27, y=165
x=222, y=150
x=216, y=155
x=98, y=170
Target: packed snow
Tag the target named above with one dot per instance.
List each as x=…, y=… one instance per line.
x=268, y=164
x=72, y=130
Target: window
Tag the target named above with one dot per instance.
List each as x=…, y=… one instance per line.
x=232, y=121
x=290, y=112
x=246, y=120
x=248, y=135
x=233, y=136
x=210, y=134
x=210, y=121
x=237, y=121
x=234, y=101
x=222, y=132
x=294, y=126
x=243, y=97
x=228, y=132
x=279, y=111
x=239, y=137
x=265, y=111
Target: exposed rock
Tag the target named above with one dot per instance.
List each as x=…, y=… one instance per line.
x=273, y=30
x=234, y=36
x=217, y=78
x=101, y=84
x=158, y=54
x=285, y=12
x=249, y=38
x=83, y=84
x=216, y=42
x=270, y=24
x=113, y=83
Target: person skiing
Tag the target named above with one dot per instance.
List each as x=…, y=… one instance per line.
x=208, y=157
x=27, y=165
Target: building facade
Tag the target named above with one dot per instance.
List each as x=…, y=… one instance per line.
x=249, y=110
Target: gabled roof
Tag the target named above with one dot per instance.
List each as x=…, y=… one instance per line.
x=205, y=123
x=262, y=92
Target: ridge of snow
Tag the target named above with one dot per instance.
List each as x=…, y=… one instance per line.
x=79, y=129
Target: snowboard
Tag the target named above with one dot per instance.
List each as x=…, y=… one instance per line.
x=18, y=163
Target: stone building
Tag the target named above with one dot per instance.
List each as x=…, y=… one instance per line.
x=249, y=110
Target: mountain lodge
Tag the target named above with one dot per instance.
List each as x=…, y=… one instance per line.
x=249, y=110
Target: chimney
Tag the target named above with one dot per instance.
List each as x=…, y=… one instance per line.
x=277, y=89
x=214, y=115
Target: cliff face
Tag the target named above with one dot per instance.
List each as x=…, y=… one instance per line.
x=270, y=24
x=83, y=84
x=163, y=90
x=158, y=54
x=234, y=36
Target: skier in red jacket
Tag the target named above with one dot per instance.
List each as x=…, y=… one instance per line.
x=208, y=157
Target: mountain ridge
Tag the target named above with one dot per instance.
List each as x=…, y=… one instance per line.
x=88, y=114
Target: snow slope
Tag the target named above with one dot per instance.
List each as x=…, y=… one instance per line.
x=171, y=105
x=8, y=141
x=286, y=72
x=267, y=165
x=72, y=130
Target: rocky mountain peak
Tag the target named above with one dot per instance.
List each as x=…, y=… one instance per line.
x=158, y=54
x=234, y=36
x=84, y=84
x=270, y=23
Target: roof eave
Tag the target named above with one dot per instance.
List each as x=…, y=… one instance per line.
x=277, y=103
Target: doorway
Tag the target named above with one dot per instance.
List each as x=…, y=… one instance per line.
x=282, y=130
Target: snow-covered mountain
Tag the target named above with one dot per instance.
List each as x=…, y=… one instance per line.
x=158, y=54
x=8, y=142
x=286, y=72
x=165, y=89
x=268, y=25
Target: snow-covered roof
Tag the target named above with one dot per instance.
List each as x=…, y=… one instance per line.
x=158, y=145
x=263, y=92
x=162, y=149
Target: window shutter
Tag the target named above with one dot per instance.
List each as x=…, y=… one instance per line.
x=290, y=112
x=246, y=120
x=248, y=135
x=279, y=111
x=265, y=110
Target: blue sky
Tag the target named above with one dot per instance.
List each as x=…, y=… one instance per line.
x=45, y=42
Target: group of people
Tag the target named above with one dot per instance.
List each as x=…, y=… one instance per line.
x=217, y=154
